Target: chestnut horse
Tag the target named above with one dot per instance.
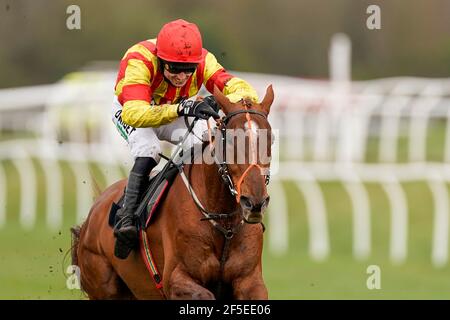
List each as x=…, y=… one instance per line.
x=210, y=258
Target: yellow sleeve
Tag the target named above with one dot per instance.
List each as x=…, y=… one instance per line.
x=212, y=68
x=139, y=114
x=236, y=89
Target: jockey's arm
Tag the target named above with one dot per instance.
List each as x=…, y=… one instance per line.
x=140, y=114
x=136, y=110
x=233, y=87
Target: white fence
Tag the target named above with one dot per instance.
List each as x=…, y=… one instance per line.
x=324, y=137
x=325, y=129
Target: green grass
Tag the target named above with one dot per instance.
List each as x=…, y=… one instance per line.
x=32, y=263
x=296, y=276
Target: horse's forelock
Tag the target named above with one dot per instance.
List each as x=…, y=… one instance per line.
x=247, y=102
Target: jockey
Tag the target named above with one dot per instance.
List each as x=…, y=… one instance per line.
x=155, y=79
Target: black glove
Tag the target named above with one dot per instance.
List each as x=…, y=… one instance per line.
x=196, y=109
x=211, y=101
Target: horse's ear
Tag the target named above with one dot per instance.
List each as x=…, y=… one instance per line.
x=268, y=99
x=224, y=102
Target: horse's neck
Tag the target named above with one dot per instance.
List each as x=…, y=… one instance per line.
x=215, y=196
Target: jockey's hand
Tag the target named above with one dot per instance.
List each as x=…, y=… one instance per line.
x=196, y=109
x=211, y=101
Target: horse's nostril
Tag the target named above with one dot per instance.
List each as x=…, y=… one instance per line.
x=260, y=206
x=266, y=201
x=246, y=203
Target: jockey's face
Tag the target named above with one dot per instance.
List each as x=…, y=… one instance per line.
x=178, y=73
x=177, y=79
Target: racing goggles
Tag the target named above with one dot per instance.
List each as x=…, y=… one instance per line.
x=176, y=68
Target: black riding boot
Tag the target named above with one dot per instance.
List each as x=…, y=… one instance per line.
x=127, y=234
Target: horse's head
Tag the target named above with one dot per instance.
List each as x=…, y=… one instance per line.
x=247, y=151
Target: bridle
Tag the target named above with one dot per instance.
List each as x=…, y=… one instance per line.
x=224, y=173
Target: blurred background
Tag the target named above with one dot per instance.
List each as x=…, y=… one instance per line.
x=363, y=151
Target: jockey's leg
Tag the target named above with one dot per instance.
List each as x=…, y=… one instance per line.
x=125, y=229
x=145, y=147
x=174, y=132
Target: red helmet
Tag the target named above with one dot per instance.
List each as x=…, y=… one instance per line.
x=179, y=41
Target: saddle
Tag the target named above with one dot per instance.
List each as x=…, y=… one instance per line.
x=153, y=196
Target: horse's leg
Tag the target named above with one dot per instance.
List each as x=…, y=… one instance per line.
x=250, y=287
x=100, y=280
x=182, y=286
